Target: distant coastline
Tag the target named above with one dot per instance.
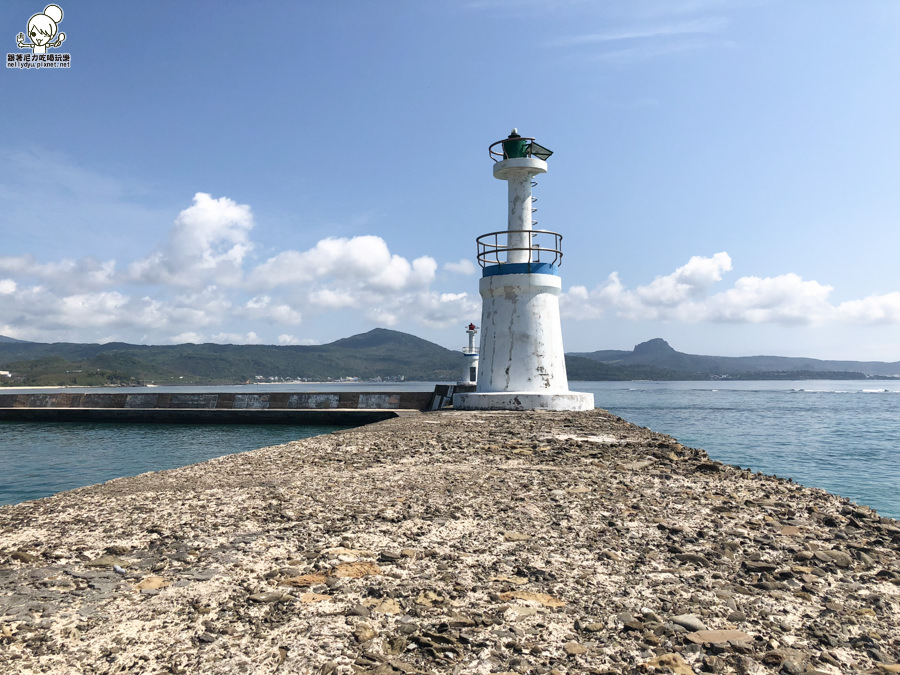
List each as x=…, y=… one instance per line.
x=379, y=356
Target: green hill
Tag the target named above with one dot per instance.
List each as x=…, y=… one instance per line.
x=378, y=354
x=657, y=353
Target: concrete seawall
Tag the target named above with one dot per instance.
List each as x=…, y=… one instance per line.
x=452, y=542
x=337, y=408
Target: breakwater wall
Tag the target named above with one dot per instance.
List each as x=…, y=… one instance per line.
x=218, y=408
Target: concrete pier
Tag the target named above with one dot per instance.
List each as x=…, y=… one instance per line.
x=452, y=542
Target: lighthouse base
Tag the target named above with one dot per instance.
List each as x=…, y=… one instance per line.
x=522, y=400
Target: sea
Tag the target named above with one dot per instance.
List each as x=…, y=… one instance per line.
x=839, y=435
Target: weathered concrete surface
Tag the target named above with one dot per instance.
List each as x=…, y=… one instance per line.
x=452, y=542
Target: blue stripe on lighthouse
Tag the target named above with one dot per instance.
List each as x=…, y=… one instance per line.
x=520, y=268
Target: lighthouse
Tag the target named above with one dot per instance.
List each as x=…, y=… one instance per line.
x=522, y=363
x=470, y=372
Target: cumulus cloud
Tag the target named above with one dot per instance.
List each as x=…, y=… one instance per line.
x=93, y=309
x=264, y=307
x=329, y=298
x=88, y=273
x=687, y=295
x=443, y=309
x=208, y=243
x=360, y=262
x=206, y=307
x=875, y=309
x=686, y=283
x=783, y=299
x=580, y=303
x=431, y=309
x=201, y=284
x=360, y=274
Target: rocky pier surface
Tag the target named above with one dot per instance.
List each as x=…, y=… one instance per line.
x=452, y=542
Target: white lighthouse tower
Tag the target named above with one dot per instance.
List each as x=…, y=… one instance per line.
x=522, y=362
x=470, y=372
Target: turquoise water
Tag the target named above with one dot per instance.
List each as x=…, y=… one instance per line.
x=37, y=460
x=842, y=436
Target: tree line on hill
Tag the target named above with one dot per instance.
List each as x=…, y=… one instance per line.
x=379, y=354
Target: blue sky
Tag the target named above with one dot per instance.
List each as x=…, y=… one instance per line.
x=726, y=174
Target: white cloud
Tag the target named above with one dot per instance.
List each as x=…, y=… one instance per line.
x=206, y=307
x=92, y=309
x=208, y=243
x=382, y=316
x=783, y=299
x=579, y=303
x=401, y=275
x=88, y=273
x=358, y=273
x=464, y=267
x=688, y=281
x=431, y=309
x=441, y=310
x=200, y=285
x=250, y=338
x=264, y=307
x=686, y=295
x=362, y=262
x=875, y=309
x=327, y=298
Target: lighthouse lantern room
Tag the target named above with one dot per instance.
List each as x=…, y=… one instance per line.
x=521, y=359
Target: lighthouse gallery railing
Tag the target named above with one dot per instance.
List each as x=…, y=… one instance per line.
x=491, y=247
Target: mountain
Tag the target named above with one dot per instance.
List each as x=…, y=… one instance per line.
x=4, y=339
x=581, y=368
x=658, y=353
x=378, y=354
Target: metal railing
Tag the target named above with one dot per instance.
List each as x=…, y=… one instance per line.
x=490, y=247
x=498, y=155
x=523, y=144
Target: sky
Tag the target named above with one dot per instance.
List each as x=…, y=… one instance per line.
x=726, y=174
